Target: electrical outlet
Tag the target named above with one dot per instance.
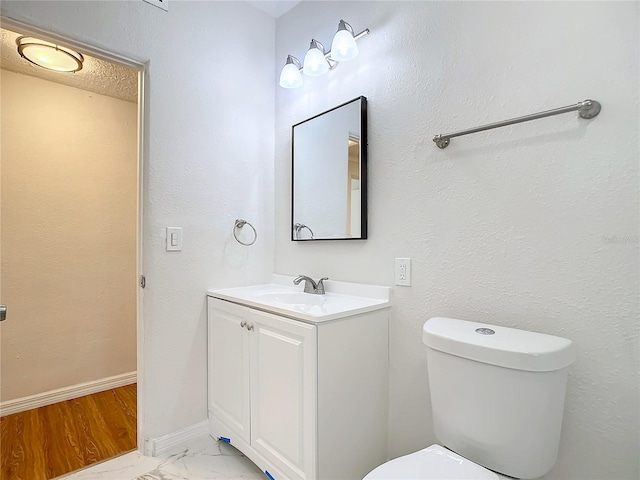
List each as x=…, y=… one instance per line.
x=163, y=4
x=403, y=272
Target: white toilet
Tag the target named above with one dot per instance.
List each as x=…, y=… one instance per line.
x=497, y=396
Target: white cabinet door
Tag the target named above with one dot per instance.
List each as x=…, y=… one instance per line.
x=283, y=393
x=229, y=368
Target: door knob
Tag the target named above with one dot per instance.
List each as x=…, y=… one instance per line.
x=3, y=312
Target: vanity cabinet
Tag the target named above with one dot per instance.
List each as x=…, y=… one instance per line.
x=262, y=384
x=303, y=401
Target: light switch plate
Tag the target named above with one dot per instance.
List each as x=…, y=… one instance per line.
x=174, y=239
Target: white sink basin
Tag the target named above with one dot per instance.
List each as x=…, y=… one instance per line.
x=284, y=298
x=291, y=298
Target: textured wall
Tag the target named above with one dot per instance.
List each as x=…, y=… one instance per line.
x=69, y=195
x=209, y=160
x=514, y=226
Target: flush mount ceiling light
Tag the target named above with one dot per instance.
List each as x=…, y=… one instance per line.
x=318, y=62
x=49, y=55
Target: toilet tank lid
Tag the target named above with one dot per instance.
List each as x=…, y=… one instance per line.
x=495, y=345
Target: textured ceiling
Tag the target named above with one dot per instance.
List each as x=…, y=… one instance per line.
x=98, y=76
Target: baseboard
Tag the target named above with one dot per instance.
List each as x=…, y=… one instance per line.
x=66, y=393
x=162, y=445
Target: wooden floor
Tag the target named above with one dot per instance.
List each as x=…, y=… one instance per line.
x=50, y=441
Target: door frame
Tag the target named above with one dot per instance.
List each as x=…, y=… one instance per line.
x=142, y=66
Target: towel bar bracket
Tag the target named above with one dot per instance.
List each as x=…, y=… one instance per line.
x=589, y=109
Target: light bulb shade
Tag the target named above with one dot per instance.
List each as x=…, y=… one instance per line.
x=315, y=63
x=344, y=46
x=49, y=55
x=290, y=76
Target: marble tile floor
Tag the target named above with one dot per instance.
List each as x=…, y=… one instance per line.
x=200, y=459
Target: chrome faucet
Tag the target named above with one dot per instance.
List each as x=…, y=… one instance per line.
x=310, y=286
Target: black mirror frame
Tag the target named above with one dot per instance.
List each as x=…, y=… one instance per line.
x=363, y=172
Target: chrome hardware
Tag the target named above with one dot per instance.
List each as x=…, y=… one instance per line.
x=587, y=109
x=298, y=227
x=310, y=286
x=249, y=327
x=441, y=142
x=243, y=324
x=143, y=281
x=485, y=331
x=238, y=225
x=3, y=312
x=320, y=286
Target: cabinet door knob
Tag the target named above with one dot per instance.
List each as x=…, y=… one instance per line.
x=249, y=327
x=243, y=324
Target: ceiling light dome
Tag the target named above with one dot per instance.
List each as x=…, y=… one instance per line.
x=49, y=55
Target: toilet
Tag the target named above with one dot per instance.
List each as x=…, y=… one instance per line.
x=497, y=397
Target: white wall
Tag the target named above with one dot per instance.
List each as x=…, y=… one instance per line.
x=510, y=227
x=210, y=150
x=69, y=194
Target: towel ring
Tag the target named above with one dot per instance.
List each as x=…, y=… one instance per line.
x=238, y=225
x=298, y=227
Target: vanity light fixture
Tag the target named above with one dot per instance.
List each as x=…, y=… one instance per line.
x=315, y=62
x=344, y=46
x=318, y=62
x=290, y=76
x=49, y=55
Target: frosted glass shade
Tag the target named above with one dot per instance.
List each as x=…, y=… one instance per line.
x=314, y=63
x=49, y=55
x=290, y=76
x=344, y=46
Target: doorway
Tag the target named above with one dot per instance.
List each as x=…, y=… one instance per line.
x=70, y=257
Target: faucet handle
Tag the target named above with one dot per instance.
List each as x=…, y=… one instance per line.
x=320, y=286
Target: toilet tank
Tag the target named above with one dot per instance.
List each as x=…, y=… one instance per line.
x=497, y=393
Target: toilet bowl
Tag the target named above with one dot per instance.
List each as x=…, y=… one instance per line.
x=432, y=463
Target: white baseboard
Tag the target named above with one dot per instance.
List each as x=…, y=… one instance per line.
x=162, y=445
x=66, y=393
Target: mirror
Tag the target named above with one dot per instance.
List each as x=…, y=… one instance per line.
x=329, y=170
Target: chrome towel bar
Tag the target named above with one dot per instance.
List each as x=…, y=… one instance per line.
x=587, y=109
